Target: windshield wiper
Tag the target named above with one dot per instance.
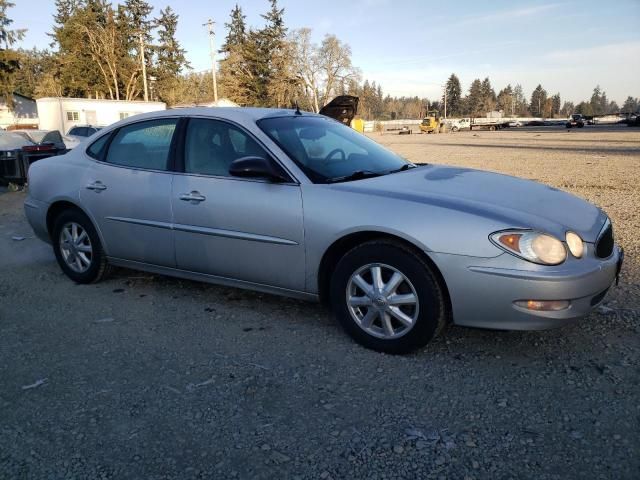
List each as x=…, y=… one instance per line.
x=404, y=167
x=357, y=175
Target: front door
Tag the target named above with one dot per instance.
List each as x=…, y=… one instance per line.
x=242, y=229
x=128, y=192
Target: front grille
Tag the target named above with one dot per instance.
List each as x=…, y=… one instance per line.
x=604, y=244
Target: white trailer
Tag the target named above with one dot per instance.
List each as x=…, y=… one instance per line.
x=59, y=113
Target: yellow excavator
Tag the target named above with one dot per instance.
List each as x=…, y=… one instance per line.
x=431, y=123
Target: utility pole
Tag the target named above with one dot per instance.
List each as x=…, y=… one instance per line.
x=445, y=101
x=144, y=68
x=210, y=25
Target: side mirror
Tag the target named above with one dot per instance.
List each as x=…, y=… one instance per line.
x=256, y=167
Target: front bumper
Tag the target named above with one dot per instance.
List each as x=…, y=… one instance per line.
x=483, y=290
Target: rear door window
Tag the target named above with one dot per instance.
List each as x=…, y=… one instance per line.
x=143, y=145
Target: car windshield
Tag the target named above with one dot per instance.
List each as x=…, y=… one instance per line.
x=328, y=151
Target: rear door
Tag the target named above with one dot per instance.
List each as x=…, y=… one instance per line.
x=242, y=229
x=127, y=191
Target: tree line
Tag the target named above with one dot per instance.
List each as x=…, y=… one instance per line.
x=482, y=98
x=102, y=50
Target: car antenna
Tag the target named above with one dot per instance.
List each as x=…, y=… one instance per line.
x=297, y=112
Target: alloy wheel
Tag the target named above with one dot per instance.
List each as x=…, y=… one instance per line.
x=382, y=301
x=75, y=246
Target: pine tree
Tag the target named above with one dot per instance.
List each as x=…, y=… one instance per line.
x=488, y=97
x=631, y=105
x=556, y=102
x=454, y=93
x=9, y=58
x=171, y=58
x=474, y=100
x=272, y=62
x=538, y=99
x=236, y=30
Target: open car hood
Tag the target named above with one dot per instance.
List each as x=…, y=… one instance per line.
x=342, y=108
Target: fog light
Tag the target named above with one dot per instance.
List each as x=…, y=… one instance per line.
x=543, y=305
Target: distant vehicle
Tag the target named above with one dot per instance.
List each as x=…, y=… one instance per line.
x=83, y=130
x=431, y=123
x=458, y=124
x=514, y=123
x=295, y=203
x=576, y=120
x=405, y=130
x=18, y=150
x=633, y=120
x=484, y=123
x=44, y=140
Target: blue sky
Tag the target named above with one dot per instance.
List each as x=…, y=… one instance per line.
x=411, y=46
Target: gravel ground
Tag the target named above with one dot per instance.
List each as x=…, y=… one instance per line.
x=144, y=376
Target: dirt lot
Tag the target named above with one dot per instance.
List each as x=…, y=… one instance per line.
x=144, y=376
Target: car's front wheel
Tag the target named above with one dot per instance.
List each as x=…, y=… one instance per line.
x=77, y=247
x=387, y=297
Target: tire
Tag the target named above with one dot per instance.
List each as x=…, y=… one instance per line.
x=428, y=314
x=97, y=267
x=492, y=128
x=454, y=129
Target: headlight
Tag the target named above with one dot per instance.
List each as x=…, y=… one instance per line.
x=574, y=242
x=533, y=246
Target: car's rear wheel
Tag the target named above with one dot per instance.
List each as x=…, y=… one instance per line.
x=77, y=247
x=387, y=297
x=454, y=129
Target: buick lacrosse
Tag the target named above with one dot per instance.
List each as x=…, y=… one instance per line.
x=301, y=205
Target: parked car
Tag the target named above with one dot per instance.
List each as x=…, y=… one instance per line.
x=44, y=139
x=515, y=123
x=83, y=130
x=576, y=120
x=21, y=148
x=79, y=133
x=11, y=168
x=300, y=205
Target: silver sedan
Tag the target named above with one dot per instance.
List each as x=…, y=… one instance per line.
x=297, y=204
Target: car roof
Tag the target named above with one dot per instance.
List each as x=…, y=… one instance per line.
x=240, y=114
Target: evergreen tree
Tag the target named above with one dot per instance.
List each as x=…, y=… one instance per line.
x=555, y=108
x=272, y=64
x=236, y=30
x=171, y=58
x=631, y=105
x=474, y=100
x=538, y=99
x=488, y=97
x=9, y=58
x=454, y=95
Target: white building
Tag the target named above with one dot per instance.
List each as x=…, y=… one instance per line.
x=57, y=113
x=23, y=113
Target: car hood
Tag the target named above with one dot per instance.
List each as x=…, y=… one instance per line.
x=514, y=202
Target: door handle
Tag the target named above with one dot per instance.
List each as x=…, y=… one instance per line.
x=193, y=197
x=97, y=186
